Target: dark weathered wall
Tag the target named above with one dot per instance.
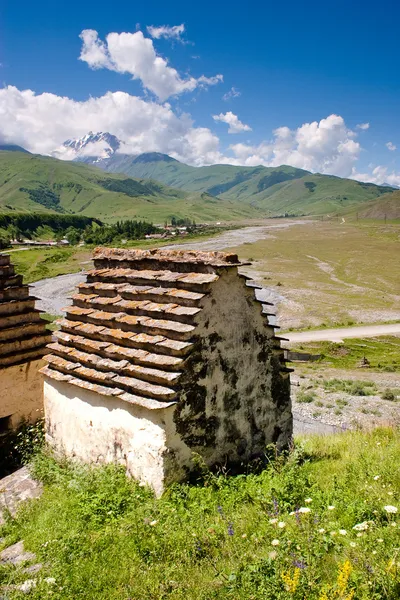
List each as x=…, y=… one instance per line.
x=234, y=399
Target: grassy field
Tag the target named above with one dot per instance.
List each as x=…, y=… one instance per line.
x=39, y=263
x=330, y=273
x=322, y=525
x=382, y=353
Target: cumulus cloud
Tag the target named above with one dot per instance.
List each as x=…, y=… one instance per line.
x=42, y=122
x=134, y=54
x=235, y=125
x=166, y=32
x=363, y=126
x=390, y=146
x=327, y=146
x=379, y=175
x=233, y=93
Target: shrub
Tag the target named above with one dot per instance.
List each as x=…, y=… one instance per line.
x=305, y=397
x=388, y=394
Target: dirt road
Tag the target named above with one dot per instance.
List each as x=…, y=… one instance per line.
x=338, y=335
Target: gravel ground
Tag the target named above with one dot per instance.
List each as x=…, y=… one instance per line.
x=341, y=409
x=53, y=293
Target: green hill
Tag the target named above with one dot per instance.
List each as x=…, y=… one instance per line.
x=387, y=206
x=272, y=190
x=36, y=183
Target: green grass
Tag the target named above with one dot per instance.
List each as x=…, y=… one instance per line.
x=383, y=353
x=351, y=387
x=103, y=537
x=40, y=263
x=305, y=397
x=37, y=183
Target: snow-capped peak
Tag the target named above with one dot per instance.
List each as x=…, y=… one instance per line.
x=101, y=144
x=92, y=147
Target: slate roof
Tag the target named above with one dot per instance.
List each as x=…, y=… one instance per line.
x=131, y=325
x=23, y=333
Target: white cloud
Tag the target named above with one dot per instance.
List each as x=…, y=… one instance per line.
x=363, y=126
x=390, y=146
x=233, y=93
x=235, y=125
x=326, y=146
x=42, y=122
x=167, y=32
x=379, y=175
x=134, y=54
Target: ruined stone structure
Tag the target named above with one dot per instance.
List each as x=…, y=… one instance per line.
x=164, y=354
x=23, y=339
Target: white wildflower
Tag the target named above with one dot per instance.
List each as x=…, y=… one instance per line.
x=390, y=509
x=342, y=532
x=333, y=533
x=394, y=524
x=308, y=500
x=374, y=552
x=273, y=521
x=304, y=509
x=360, y=534
x=322, y=530
x=331, y=507
x=281, y=524
x=376, y=477
x=361, y=526
x=272, y=555
x=380, y=540
x=353, y=544
x=275, y=542
x=153, y=523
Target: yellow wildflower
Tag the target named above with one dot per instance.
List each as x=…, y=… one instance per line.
x=291, y=581
x=343, y=576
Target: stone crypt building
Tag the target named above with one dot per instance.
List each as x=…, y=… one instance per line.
x=163, y=354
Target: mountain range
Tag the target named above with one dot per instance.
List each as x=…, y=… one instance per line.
x=271, y=191
x=30, y=182
x=104, y=182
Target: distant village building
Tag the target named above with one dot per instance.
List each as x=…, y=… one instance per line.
x=23, y=339
x=164, y=354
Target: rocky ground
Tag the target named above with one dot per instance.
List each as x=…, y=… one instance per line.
x=346, y=398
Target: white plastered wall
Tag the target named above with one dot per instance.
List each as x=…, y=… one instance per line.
x=85, y=425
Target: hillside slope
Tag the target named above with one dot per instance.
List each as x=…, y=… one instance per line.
x=387, y=206
x=272, y=190
x=41, y=184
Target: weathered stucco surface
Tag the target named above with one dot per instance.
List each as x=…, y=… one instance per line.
x=165, y=354
x=98, y=429
x=21, y=392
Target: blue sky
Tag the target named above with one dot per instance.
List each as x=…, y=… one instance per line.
x=293, y=64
